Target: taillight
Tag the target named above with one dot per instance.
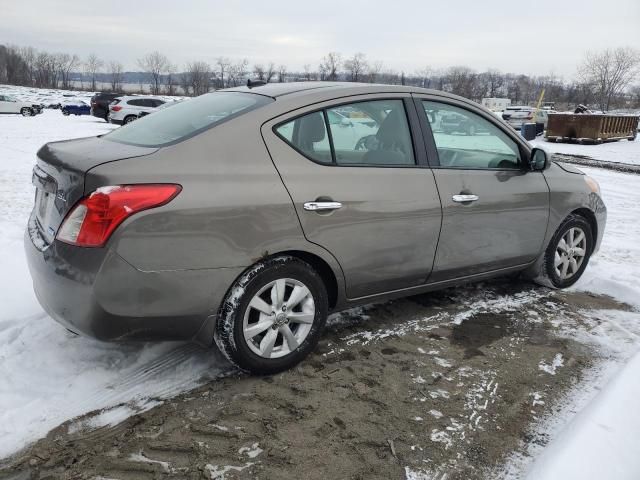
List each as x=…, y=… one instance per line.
x=116, y=108
x=93, y=219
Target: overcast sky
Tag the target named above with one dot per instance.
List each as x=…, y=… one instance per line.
x=534, y=37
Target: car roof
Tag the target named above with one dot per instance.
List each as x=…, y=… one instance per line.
x=275, y=90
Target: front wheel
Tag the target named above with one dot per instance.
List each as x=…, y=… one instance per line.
x=27, y=112
x=568, y=252
x=273, y=316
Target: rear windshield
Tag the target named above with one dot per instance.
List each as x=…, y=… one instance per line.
x=186, y=119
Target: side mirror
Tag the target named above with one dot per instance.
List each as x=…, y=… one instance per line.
x=539, y=160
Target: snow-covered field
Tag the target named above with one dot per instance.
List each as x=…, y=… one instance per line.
x=622, y=151
x=48, y=375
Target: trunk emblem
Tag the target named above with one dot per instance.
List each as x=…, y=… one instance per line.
x=60, y=196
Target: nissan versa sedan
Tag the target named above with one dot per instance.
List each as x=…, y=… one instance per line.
x=243, y=217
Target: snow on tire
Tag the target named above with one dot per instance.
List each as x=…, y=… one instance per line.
x=273, y=316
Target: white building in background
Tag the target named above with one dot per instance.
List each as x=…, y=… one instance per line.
x=496, y=104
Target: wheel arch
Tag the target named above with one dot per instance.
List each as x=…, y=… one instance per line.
x=323, y=269
x=591, y=218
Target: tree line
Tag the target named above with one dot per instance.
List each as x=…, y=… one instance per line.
x=606, y=79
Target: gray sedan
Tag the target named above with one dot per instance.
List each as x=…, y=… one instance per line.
x=246, y=215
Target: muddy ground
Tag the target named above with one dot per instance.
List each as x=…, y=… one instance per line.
x=444, y=383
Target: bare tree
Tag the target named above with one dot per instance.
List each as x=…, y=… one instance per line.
x=373, y=72
x=223, y=64
x=116, y=73
x=271, y=71
x=307, y=72
x=356, y=66
x=154, y=64
x=66, y=64
x=425, y=75
x=329, y=66
x=237, y=72
x=92, y=66
x=198, y=75
x=282, y=73
x=259, y=71
x=610, y=72
x=171, y=79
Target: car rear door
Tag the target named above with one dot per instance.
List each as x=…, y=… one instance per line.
x=495, y=210
x=369, y=199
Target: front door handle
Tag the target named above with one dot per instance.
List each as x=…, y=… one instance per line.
x=322, y=206
x=464, y=198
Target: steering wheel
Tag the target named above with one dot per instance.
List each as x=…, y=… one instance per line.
x=368, y=142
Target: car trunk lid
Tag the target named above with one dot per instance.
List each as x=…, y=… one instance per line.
x=59, y=176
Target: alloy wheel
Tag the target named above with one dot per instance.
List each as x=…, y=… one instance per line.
x=279, y=318
x=570, y=253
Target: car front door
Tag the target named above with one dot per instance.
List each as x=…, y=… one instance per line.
x=368, y=199
x=495, y=210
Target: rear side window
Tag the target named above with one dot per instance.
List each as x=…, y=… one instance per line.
x=363, y=133
x=308, y=134
x=186, y=119
x=138, y=102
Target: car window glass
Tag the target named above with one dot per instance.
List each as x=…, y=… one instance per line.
x=308, y=135
x=157, y=103
x=186, y=119
x=467, y=140
x=136, y=102
x=371, y=133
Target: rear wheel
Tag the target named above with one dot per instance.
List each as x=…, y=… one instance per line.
x=129, y=119
x=568, y=252
x=273, y=316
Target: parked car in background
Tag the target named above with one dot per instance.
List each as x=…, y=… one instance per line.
x=236, y=218
x=100, y=104
x=517, y=115
x=76, y=108
x=161, y=107
x=126, y=109
x=452, y=122
x=9, y=104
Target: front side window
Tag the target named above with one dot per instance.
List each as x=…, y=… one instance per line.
x=186, y=119
x=362, y=133
x=467, y=140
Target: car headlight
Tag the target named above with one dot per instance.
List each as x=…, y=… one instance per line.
x=592, y=184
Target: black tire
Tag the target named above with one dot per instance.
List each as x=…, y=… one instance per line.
x=65, y=113
x=549, y=275
x=229, y=334
x=129, y=119
x=27, y=112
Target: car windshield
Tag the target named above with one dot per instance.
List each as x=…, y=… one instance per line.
x=186, y=119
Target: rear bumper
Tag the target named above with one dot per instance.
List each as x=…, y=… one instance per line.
x=115, y=122
x=94, y=292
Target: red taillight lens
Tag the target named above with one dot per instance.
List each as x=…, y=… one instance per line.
x=93, y=219
x=116, y=108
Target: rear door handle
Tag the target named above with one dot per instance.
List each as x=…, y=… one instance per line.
x=465, y=198
x=320, y=206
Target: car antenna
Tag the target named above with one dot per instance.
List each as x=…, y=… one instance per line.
x=255, y=83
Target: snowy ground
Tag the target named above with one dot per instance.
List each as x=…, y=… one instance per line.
x=622, y=151
x=48, y=376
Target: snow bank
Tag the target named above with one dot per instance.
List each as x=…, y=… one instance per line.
x=601, y=441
